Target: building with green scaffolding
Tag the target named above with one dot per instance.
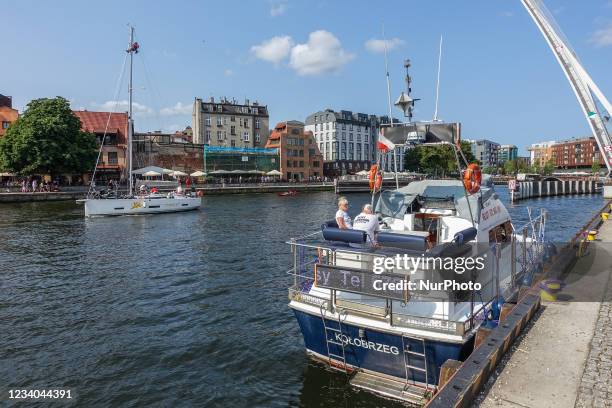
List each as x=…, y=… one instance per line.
x=234, y=159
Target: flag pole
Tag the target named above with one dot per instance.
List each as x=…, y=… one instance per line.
x=389, y=105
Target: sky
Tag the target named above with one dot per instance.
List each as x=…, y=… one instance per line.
x=498, y=76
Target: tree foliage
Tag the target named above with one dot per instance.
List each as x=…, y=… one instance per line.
x=47, y=139
x=437, y=160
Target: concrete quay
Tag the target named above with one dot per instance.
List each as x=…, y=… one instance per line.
x=41, y=196
x=565, y=358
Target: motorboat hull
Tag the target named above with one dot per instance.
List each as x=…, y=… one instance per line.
x=140, y=205
x=378, y=351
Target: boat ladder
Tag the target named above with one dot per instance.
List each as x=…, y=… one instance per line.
x=335, y=333
x=413, y=358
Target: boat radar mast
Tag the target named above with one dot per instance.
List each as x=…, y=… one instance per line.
x=593, y=102
x=405, y=102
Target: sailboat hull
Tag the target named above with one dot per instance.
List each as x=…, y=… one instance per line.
x=139, y=205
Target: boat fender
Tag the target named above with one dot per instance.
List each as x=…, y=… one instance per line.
x=330, y=223
x=465, y=235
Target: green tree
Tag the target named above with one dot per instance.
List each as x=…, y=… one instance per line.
x=548, y=168
x=438, y=160
x=510, y=167
x=47, y=139
x=595, y=167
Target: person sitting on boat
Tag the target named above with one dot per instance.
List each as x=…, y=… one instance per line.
x=342, y=218
x=143, y=189
x=179, y=189
x=367, y=221
x=154, y=190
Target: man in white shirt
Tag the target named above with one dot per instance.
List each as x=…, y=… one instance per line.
x=367, y=221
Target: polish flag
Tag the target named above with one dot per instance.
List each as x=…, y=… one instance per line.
x=384, y=144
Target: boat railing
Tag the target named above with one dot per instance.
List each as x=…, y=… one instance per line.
x=308, y=255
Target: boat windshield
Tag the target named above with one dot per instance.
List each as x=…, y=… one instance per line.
x=393, y=204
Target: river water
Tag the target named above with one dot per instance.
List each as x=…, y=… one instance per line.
x=178, y=309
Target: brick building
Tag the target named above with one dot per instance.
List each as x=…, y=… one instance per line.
x=576, y=153
x=8, y=115
x=113, y=161
x=300, y=158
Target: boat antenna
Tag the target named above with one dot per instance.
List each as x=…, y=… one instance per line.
x=435, y=117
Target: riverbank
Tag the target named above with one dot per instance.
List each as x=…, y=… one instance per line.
x=565, y=359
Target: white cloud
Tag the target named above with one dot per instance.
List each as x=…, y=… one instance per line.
x=178, y=109
x=278, y=9
x=507, y=14
x=603, y=36
x=378, y=46
x=273, y=50
x=322, y=53
x=228, y=72
x=123, y=106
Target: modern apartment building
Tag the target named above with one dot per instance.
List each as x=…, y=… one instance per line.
x=300, y=158
x=347, y=141
x=540, y=153
x=227, y=123
x=485, y=151
x=506, y=153
x=576, y=153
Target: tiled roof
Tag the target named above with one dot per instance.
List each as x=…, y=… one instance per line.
x=96, y=122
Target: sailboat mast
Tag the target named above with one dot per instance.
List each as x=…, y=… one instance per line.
x=131, y=51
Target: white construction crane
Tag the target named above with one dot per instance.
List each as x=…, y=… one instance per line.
x=593, y=102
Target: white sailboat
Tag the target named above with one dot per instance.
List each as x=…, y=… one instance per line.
x=153, y=203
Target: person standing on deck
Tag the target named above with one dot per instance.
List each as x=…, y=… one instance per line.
x=342, y=218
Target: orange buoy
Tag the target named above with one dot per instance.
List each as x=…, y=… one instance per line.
x=378, y=183
x=472, y=177
x=372, y=175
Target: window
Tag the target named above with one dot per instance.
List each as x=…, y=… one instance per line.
x=301, y=163
x=311, y=152
x=315, y=164
x=288, y=163
x=207, y=121
x=219, y=108
x=208, y=136
x=219, y=121
x=233, y=130
x=257, y=138
x=350, y=137
x=219, y=135
x=343, y=126
x=245, y=136
x=112, y=158
x=257, y=124
x=246, y=123
x=233, y=143
x=5, y=125
x=232, y=118
x=301, y=153
x=225, y=120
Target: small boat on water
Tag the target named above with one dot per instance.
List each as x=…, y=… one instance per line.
x=97, y=204
x=392, y=328
x=288, y=193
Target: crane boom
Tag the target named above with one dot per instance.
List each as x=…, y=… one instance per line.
x=596, y=107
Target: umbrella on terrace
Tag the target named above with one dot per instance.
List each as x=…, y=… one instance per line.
x=198, y=173
x=274, y=173
x=151, y=173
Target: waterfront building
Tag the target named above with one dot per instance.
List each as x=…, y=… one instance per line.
x=506, y=153
x=170, y=151
x=8, y=115
x=112, y=163
x=347, y=141
x=228, y=123
x=576, y=153
x=300, y=157
x=540, y=153
x=486, y=152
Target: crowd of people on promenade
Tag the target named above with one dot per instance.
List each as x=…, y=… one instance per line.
x=31, y=185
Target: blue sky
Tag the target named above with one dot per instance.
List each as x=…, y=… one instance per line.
x=498, y=76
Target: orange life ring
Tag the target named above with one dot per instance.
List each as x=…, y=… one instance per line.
x=378, y=182
x=472, y=177
x=372, y=175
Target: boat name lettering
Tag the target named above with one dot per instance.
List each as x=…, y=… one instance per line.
x=383, y=348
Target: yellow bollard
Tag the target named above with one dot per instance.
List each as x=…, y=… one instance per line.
x=605, y=216
x=592, y=235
